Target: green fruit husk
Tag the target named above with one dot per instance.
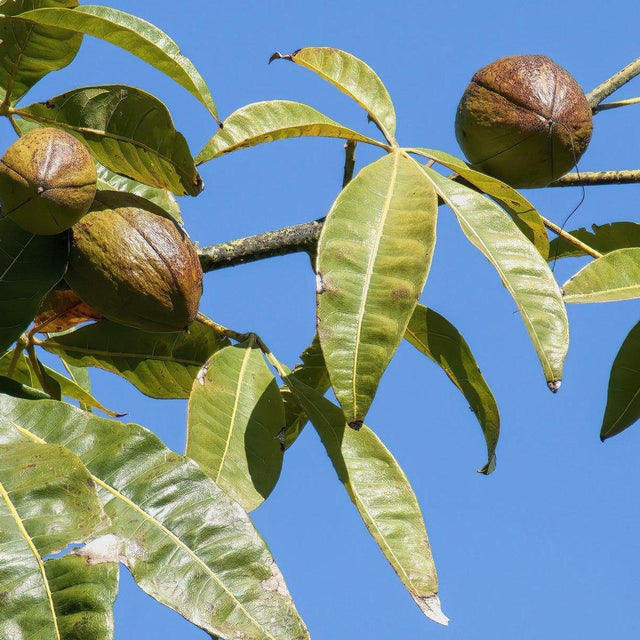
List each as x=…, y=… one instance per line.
x=47, y=181
x=133, y=264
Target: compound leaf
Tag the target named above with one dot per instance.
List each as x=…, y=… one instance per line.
x=623, y=397
x=234, y=418
x=161, y=365
x=353, y=77
x=137, y=36
x=382, y=494
x=29, y=51
x=30, y=265
x=522, y=269
x=273, y=120
x=175, y=529
x=128, y=131
x=615, y=276
x=435, y=337
x=374, y=255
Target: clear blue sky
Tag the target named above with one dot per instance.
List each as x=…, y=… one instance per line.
x=546, y=547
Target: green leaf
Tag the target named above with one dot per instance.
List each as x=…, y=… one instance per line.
x=312, y=371
x=374, y=255
x=234, y=417
x=16, y=7
x=71, y=389
x=623, y=397
x=603, y=238
x=21, y=372
x=382, y=494
x=161, y=365
x=435, y=337
x=83, y=596
x=178, y=533
x=128, y=131
x=273, y=120
x=28, y=52
x=137, y=36
x=353, y=77
x=615, y=276
x=108, y=181
x=522, y=269
x=47, y=501
x=522, y=212
x=30, y=266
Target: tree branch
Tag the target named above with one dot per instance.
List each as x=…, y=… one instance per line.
x=594, y=178
x=281, y=242
x=615, y=105
x=597, y=95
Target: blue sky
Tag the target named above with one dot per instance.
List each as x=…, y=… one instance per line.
x=548, y=545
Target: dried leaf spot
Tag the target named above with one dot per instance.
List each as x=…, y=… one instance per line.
x=356, y=425
x=401, y=293
x=276, y=584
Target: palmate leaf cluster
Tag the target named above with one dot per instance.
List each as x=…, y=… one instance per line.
x=180, y=523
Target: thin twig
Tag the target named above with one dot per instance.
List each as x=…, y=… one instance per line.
x=594, y=178
x=605, y=106
x=570, y=238
x=602, y=91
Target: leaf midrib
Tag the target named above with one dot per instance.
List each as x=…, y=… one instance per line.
x=178, y=542
x=373, y=255
x=34, y=551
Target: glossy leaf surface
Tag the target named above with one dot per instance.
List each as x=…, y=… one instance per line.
x=615, y=276
x=353, y=77
x=234, y=418
x=128, y=131
x=623, y=397
x=522, y=269
x=47, y=501
x=603, y=238
x=137, y=36
x=382, y=494
x=161, y=365
x=110, y=181
x=435, y=337
x=178, y=533
x=25, y=277
x=83, y=597
x=273, y=120
x=30, y=51
x=71, y=389
x=21, y=371
x=374, y=255
x=523, y=213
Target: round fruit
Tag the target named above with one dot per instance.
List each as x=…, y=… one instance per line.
x=47, y=181
x=133, y=264
x=524, y=120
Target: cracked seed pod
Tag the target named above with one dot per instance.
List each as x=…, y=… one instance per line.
x=133, y=264
x=524, y=120
x=47, y=181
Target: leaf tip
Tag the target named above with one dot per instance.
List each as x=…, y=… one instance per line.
x=430, y=606
x=276, y=55
x=554, y=385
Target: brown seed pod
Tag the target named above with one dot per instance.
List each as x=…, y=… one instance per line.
x=133, y=264
x=47, y=181
x=524, y=120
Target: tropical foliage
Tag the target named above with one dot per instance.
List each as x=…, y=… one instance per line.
x=180, y=523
